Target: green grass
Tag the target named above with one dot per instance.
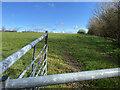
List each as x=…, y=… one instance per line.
x=66, y=53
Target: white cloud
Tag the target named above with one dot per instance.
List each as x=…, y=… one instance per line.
x=32, y=25
x=39, y=30
x=51, y=5
x=55, y=32
x=47, y=26
x=17, y=28
x=62, y=23
x=76, y=27
x=63, y=31
x=54, y=29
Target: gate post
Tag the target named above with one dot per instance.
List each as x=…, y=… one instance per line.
x=33, y=58
x=46, y=41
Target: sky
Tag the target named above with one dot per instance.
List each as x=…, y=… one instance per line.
x=57, y=17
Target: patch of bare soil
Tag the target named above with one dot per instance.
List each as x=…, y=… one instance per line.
x=73, y=64
x=74, y=67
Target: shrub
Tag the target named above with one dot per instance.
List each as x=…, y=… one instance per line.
x=105, y=21
x=81, y=31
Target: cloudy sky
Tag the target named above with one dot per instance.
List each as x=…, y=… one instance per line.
x=59, y=17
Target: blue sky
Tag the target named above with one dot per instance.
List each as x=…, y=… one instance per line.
x=59, y=17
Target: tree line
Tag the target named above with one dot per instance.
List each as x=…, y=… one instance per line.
x=106, y=21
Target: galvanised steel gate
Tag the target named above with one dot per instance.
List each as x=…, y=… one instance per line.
x=9, y=61
x=44, y=79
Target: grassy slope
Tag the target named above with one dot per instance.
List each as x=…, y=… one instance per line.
x=66, y=53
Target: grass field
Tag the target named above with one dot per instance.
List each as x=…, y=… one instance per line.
x=66, y=53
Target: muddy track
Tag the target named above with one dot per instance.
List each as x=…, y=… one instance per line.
x=74, y=64
x=73, y=67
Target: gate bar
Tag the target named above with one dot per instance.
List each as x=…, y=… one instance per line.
x=40, y=68
x=61, y=78
x=39, y=62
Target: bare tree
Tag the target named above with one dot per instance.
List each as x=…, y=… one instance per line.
x=105, y=21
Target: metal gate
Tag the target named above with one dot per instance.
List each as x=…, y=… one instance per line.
x=44, y=80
